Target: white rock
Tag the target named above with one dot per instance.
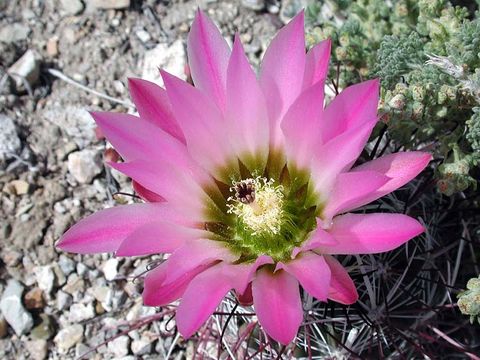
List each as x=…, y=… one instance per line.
x=81, y=349
x=138, y=310
x=66, y=264
x=171, y=58
x=68, y=337
x=27, y=68
x=12, y=308
x=64, y=300
x=37, y=349
x=81, y=269
x=80, y=312
x=109, y=4
x=72, y=7
x=290, y=8
x=143, y=35
x=141, y=346
x=102, y=293
x=9, y=140
x=84, y=165
x=76, y=122
x=45, y=277
x=119, y=346
x=254, y=4
x=14, y=32
x=110, y=269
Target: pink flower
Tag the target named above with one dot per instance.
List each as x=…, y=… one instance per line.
x=248, y=182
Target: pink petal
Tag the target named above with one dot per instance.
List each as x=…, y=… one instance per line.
x=300, y=125
x=208, y=55
x=316, y=64
x=200, y=300
x=157, y=237
x=317, y=238
x=245, y=298
x=371, y=233
x=281, y=74
x=312, y=272
x=276, y=299
x=242, y=274
x=202, y=123
x=153, y=105
x=175, y=186
x=156, y=293
x=195, y=253
x=146, y=194
x=342, y=289
x=105, y=230
x=135, y=138
x=246, y=111
x=351, y=190
x=354, y=106
x=337, y=156
x=401, y=167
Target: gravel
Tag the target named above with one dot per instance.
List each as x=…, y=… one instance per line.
x=12, y=308
x=56, y=305
x=9, y=141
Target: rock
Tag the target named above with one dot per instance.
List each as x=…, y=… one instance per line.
x=109, y=4
x=119, y=346
x=9, y=140
x=74, y=284
x=34, y=299
x=15, y=32
x=254, y=4
x=37, y=349
x=64, y=300
x=104, y=295
x=110, y=269
x=60, y=278
x=143, y=35
x=45, y=277
x=118, y=299
x=52, y=46
x=80, y=312
x=84, y=165
x=68, y=337
x=66, y=264
x=72, y=7
x=3, y=327
x=28, y=229
x=17, y=187
x=138, y=310
x=12, y=308
x=171, y=58
x=44, y=330
x=27, y=68
x=290, y=8
x=81, y=269
x=81, y=349
x=11, y=257
x=76, y=122
x=141, y=346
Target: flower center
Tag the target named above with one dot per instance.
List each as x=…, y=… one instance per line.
x=269, y=210
x=258, y=205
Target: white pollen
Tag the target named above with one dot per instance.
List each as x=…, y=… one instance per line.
x=264, y=214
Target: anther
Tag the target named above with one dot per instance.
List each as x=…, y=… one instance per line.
x=245, y=191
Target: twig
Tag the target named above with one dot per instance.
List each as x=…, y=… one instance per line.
x=65, y=78
x=170, y=350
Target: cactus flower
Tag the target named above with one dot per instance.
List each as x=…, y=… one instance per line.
x=248, y=183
